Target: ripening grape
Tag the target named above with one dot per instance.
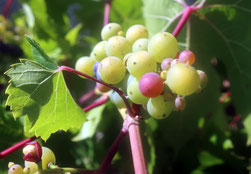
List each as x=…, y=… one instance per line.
x=151, y=85
x=179, y=103
x=118, y=46
x=163, y=45
x=109, y=30
x=33, y=167
x=47, y=157
x=203, y=78
x=159, y=107
x=175, y=61
x=187, y=57
x=111, y=70
x=136, y=32
x=15, y=169
x=85, y=65
x=140, y=45
x=140, y=63
x=99, y=51
x=166, y=63
x=116, y=99
x=134, y=93
x=102, y=88
x=183, y=79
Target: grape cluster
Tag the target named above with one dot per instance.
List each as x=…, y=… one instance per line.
x=47, y=158
x=149, y=70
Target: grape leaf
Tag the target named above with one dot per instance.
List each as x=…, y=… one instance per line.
x=42, y=95
x=40, y=56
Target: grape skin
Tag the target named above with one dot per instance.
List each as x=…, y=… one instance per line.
x=109, y=30
x=187, y=57
x=118, y=46
x=163, y=45
x=134, y=93
x=151, y=85
x=47, y=157
x=140, y=45
x=15, y=169
x=99, y=51
x=183, y=79
x=136, y=32
x=140, y=63
x=166, y=63
x=116, y=99
x=111, y=70
x=33, y=167
x=159, y=107
x=180, y=103
x=85, y=65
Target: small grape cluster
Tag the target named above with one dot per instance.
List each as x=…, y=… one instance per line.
x=33, y=163
x=10, y=34
x=150, y=71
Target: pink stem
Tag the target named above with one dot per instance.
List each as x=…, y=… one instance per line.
x=188, y=10
x=7, y=7
x=113, y=150
x=122, y=95
x=87, y=96
x=16, y=147
x=137, y=148
x=107, y=12
x=96, y=104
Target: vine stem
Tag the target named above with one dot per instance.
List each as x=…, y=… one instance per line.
x=121, y=93
x=87, y=96
x=7, y=7
x=16, y=147
x=101, y=101
x=188, y=10
x=107, y=11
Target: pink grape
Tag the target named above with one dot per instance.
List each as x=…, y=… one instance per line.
x=151, y=85
x=187, y=57
x=166, y=63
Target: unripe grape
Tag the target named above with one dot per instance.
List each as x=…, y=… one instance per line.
x=203, y=78
x=85, y=65
x=187, y=57
x=47, y=157
x=180, y=103
x=136, y=32
x=99, y=51
x=116, y=99
x=159, y=107
x=183, y=79
x=109, y=30
x=134, y=93
x=15, y=169
x=163, y=45
x=32, y=166
x=102, y=88
x=126, y=58
x=151, y=85
x=140, y=45
x=118, y=46
x=141, y=63
x=111, y=70
x=163, y=74
x=166, y=63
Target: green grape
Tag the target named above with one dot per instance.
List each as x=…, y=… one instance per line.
x=163, y=74
x=47, y=157
x=126, y=58
x=116, y=99
x=85, y=65
x=141, y=63
x=183, y=79
x=136, y=32
x=159, y=107
x=111, y=70
x=134, y=93
x=109, y=30
x=140, y=45
x=15, y=169
x=99, y=51
x=123, y=84
x=163, y=45
x=32, y=166
x=118, y=46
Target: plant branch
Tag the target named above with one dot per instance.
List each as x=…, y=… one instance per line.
x=121, y=93
x=101, y=101
x=188, y=10
x=15, y=147
x=87, y=96
x=7, y=7
x=107, y=11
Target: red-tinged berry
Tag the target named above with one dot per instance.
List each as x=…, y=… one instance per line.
x=187, y=57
